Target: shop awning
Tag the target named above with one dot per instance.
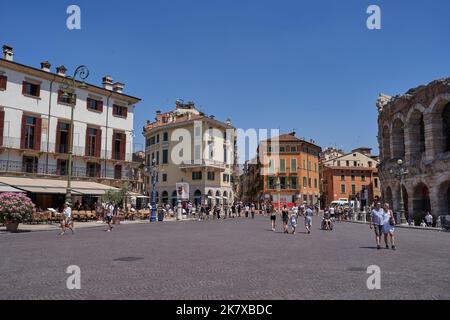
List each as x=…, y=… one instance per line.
x=6, y=188
x=52, y=186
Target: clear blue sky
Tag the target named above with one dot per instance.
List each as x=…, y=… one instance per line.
x=308, y=65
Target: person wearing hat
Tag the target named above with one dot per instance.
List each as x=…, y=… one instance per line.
x=67, y=221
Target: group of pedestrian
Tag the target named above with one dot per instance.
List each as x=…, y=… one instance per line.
x=291, y=217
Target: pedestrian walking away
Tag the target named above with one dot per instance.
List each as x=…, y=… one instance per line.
x=389, y=227
x=285, y=218
x=109, y=216
x=376, y=222
x=273, y=219
x=309, y=213
x=66, y=221
x=253, y=210
x=293, y=221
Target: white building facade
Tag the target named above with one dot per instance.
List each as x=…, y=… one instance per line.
x=35, y=120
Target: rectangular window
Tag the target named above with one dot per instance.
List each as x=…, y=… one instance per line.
x=269, y=149
x=282, y=149
x=363, y=178
x=339, y=163
x=293, y=149
x=294, y=183
x=304, y=182
x=164, y=177
x=353, y=178
x=118, y=172
x=92, y=136
x=157, y=138
x=315, y=183
x=370, y=164
x=31, y=89
x=347, y=163
x=309, y=182
x=152, y=141
x=376, y=182
x=197, y=152
x=63, y=133
x=342, y=178
x=282, y=165
x=304, y=164
x=283, y=183
x=293, y=165
x=117, y=146
x=343, y=188
x=94, y=105
x=30, y=164
x=3, y=82
x=226, y=177
x=165, y=159
x=315, y=167
x=92, y=169
x=62, y=167
x=157, y=157
x=355, y=164
x=211, y=176
x=353, y=189
x=271, y=181
x=30, y=131
x=120, y=111
x=197, y=175
x=165, y=136
x=309, y=165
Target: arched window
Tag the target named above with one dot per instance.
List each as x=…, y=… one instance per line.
x=218, y=197
x=165, y=197
x=398, y=139
x=197, y=197
x=417, y=133
x=386, y=143
x=446, y=127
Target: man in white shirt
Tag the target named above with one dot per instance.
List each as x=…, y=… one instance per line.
x=429, y=219
x=109, y=216
x=66, y=219
x=376, y=222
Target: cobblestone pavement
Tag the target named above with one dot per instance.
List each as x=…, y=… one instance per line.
x=226, y=259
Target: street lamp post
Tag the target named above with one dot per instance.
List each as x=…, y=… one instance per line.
x=400, y=173
x=153, y=172
x=69, y=83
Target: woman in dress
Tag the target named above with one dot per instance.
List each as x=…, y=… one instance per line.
x=389, y=226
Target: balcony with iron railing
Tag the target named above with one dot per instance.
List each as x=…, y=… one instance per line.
x=39, y=169
x=205, y=163
x=78, y=151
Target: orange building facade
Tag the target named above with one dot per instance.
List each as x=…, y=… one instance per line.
x=353, y=176
x=289, y=170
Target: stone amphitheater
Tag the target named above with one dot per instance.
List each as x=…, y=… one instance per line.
x=415, y=127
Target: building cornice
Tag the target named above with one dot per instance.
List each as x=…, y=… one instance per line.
x=55, y=77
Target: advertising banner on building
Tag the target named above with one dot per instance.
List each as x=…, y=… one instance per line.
x=182, y=191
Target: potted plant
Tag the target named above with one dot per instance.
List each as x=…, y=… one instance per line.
x=14, y=209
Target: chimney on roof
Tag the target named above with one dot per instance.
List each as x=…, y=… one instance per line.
x=107, y=83
x=61, y=71
x=45, y=66
x=8, y=53
x=118, y=87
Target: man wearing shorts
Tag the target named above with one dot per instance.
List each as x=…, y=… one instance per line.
x=376, y=222
x=109, y=216
x=66, y=219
